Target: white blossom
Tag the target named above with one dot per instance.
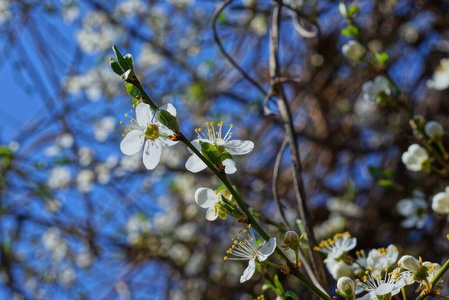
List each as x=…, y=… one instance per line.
x=434, y=130
x=97, y=33
x=103, y=128
x=375, y=90
x=148, y=133
x=353, y=50
x=338, y=245
x=53, y=242
x=378, y=285
x=246, y=248
x=209, y=199
x=215, y=137
x=84, y=180
x=5, y=11
x=59, y=177
x=440, y=202
x=440, y=79
x=414, y=210
x=338, y=268
x=85, y=155
x=415, y=157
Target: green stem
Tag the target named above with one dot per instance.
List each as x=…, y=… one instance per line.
x=435, y=280
x=273, y=264
x=241, y=203
x=404, y=295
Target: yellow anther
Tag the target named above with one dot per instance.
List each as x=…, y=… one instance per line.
x=225, y=258
x=123, y=135
x=211, y=123
x=121, y=122
x=199, y=129
x=232, y=125
x=132, y=111
x=126, y=115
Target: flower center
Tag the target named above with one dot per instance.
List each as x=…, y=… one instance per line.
x=152, y=132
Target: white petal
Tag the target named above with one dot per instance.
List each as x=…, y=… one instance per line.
x=194, y=164
x=211, y=214
x=267, y=249
x=249, y=271
x=351, y=243
x=239, y=147
x=205, y=197
x=229, y=165
x=132, y=142
x=151, y=154
x=143, y=114
x=196, y=144
x=170, y=108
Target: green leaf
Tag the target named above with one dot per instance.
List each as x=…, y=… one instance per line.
x=115, y=66
x=6, y=152
x=351, y=30
x=168, y=120
x=278, y=284
x=121, y=60
x=267, y=286
x=382, y=57
x=447, y=236
x=291, y=295
x=225, y=155
x=133, y=91
x=129, y=59
x=379, y=174
x=210, y=152
x=352, y=10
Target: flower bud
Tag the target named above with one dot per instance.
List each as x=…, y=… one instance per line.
x=292, y=239
x=415, y=157
x=343, y=10
x=339, y=269
x=346, y=287
x=440, y=202
x=434, y=130
x=409, y=262
x=353, y=50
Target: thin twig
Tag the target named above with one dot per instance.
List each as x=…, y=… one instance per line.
x=287, y=119
x=217, y=12
x=276, y=170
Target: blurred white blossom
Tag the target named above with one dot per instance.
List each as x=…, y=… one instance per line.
x=414, y=210
x=440, y=79
x=59, y=177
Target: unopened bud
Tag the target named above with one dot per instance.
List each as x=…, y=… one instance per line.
x=292, y=239
x=346, y=288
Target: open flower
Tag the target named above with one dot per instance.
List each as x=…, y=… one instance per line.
x=416, y=270
x=415, y=157
x=246, y=248
x=209, y=199
x=414, y=210
x=223, y=143
x=380, y=258
x=336, y=247
x=440, y=202
x=145, y=129
x=376, y=90
x=381, y=287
